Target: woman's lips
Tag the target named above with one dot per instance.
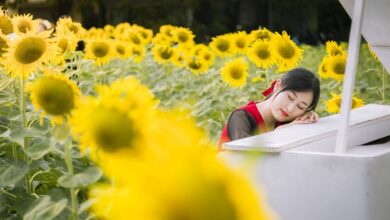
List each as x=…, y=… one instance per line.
x=284, y=113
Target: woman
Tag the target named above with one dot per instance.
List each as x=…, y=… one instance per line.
x=290, y=100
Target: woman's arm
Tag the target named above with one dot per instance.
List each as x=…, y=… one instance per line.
x=307, y=118
x=240, y=125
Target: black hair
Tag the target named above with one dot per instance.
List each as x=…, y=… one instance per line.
x=302, y=80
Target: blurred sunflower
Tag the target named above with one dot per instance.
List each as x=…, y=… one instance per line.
x=323, y=69
x=120, y=29
x=146, y=34
x=167, y=30
x=133, y=37
x=5, y=22
x=240, y=42
x=221, y=45
x=100, y=50
x=122, y=49
x=197, y=66
x=116, y=121
x=207, y=56
x=179, y=57
x=235, y=72
x=65, y=25
x=261, y=34
x=66, y=43
x=336, y=66
x=333, y=104
x=183, y=36
x=137, y=53
x=55, y=94
x=371, y=52
x=286, y=52
x=333, y=49
x=161, y=39
x=198, y=48
x=28, y=53
x=109, y=29
x=24, y=24
x=4, y=44
x=162, y=53
x=259, y=53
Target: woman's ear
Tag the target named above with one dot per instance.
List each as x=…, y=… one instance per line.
x=278, y=85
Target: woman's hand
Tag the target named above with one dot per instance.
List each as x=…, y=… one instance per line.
x=308, y=117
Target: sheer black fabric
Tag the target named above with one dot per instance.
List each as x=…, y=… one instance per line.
x=241, y=124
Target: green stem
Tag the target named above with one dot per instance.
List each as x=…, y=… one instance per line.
x=69, y=165
x=22, y=108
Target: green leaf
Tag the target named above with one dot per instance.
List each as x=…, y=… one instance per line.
x=61, y=132
x=39, y=149
x=45, y=208
x=18, y=134
x=85, y=178
x=11, y=171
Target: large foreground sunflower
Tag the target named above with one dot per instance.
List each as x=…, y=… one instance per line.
x=333, y=104
x=28, y=53
x=235, y=72
x=286, y=52
x=260, y=54
x=115, y=121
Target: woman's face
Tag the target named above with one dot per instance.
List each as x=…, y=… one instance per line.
x=288, y=105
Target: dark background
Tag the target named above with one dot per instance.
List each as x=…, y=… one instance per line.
x=308, y=21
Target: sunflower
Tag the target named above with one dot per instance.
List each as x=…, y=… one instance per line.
x=120, y=29
x=167, y=30
x=260, y=54
x=137, y=53
x=179, y=57
x=4, y=44
x=336, y=66
x=183, y=36
x=146, y=34
x=66, y=43
x=162, y=53
x=221, y=45
x=54, y=94
x=261, y=34
x=286, y=52
x=333, y=49
x=116, y=121
x=240, y=42
x=133, y=37
x=109, y=30
x=28, y=53
x=323, y=69
x=24, y=24
x=161, y=39
x=5, y=22
x=206, y=56
x=65, y=25
x=100, y=50
x=333, y=104
x=122, y=49
x=197, y=66
x=235, y=72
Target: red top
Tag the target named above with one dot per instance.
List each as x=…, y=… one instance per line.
x=251, y=108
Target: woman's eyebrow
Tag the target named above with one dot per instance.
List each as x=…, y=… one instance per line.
x=297, y=96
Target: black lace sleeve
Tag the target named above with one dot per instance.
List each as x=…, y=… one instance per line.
x=241, y=125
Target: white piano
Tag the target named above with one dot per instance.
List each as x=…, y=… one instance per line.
x=338, y=168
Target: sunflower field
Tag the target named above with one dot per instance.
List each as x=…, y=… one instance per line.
x=122, y=123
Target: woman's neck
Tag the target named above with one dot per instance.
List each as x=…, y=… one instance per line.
x=264, y=108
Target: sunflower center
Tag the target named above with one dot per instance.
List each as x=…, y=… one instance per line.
x=113, y=130
x=223, y=45
x=286, y=50
x=73, y=28
x=194, y=65
x=240, y=43
x=236, y=72
x=207, y=56
x=30, y=50
x=135, y=39
x=183, y=37
x=100, y=49
x=6, y=25
x=262, y=53
x=24, y=26
x=63, y=44
x=54, y=96
x=166, y=53
x=339, y=68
